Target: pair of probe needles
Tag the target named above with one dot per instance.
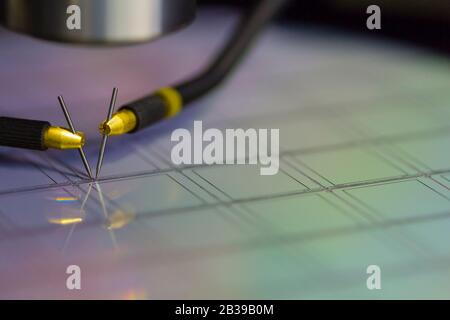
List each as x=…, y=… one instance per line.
x=142, y=113
x=104, y=139
x=41, y=135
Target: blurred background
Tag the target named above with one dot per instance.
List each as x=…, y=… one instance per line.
x=420, y=22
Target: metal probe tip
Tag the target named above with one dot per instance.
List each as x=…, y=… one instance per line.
x=69, y=122
x=62, y=139
x=121, y=122
x=101, y=154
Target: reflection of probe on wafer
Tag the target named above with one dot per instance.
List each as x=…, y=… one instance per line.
x=37, y=135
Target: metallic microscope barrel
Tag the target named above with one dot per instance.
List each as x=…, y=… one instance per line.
x=111, y=22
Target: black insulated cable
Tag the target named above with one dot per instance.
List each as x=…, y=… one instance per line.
x=169, y=101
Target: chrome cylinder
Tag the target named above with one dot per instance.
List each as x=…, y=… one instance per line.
x=99, y=21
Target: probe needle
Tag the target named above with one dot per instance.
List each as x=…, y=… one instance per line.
x=69, y=122
x=105, y=136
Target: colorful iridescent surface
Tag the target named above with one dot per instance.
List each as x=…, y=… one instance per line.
x=365, y=173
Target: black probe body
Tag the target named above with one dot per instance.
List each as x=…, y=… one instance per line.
x=37, y=135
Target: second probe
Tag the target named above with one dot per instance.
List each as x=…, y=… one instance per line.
x=168, y=102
